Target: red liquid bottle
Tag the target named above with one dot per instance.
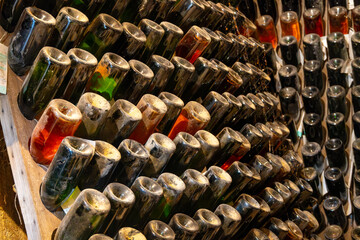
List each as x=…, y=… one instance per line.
x=193, y=44
x=266, y=30
x=60, y=119
x=313, y=21
x=338, y=20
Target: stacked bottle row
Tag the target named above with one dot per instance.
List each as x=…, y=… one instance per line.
x=115, y=77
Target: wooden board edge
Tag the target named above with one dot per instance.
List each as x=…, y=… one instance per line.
x=18, y=170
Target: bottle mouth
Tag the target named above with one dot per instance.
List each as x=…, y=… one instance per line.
x=163, y=141
x=154, y=103
x=169, y=27
x=263, y=205
x=94, y=199
x=242, y=69
x=196, y=176
x=152, y=25
x=310, y=92
x=264, y=21
x=56, y=55
x=334, y=144
x=335, y=118
x=312, y=66
x=131, y=233
x=280, y=224
x=106, y=150
x=208, y=218
x=335, y=64
x=41, y=15
x=355, y=234
x=120, y=194
x=288, y=40
x=129, y=109
x=252, y=202
x=185, y=222
x=187, y=139
x=162, y=62
x=65, y=110
x=221, y=66
x=332, y=203
x=356, y=144
x=116, y=61
x=171, y=181
x=254, y=99
x=338, y=11
x=148, y=185
x=227, y=134
x=245, y=101
x=197, y=111
x=293, y=188
x=356, y=37
x=252, y=130
x=206, y=137
x=214, y=37
x=182, y=63
x=135, y=149
x=308, y=173
x=336, y=91
x=288, y=71
x=94, y=102
x=232, y=100
x=312, y=13
x=218, y=173
x=134, y=32
x=200, y=33
x=74, y=15
x=333, y=232
x=288, y=16
x=227, y=212
x=333, y=174
x=171, y=100
x=283, y=190
x=288, y=93
x=160, y=230
x=78, y=145
x=266, y=100
x=110, y=22
x=243, y=169
x=141, y=69
x=218, y=98
x=82, y=56
x=312, y=119
x=294, y=229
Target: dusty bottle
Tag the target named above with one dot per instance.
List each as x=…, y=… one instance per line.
x=217, y=106
x=135, y=83
x=209, y=145
x=230, y=220
x=355, y=43
x=172, y=36
x=187, y=146
x=337, y=46
x=278, y=227
x=294, y=232
x=132, y=41
x=208, y=222
x=313, y=75
x=289, y=99
x=289, y=77
x=100, y=36
x=30, y=36
x=173, y=188
x=84, y=217
x=49, y=69
x=94, y=109
x=313, y=129
x=335, y=123
x=312, y=102
x=147, y=194
x=290, y=50
x=162, y=69
x=108, y=75
x=101, y=166
x=335, y=72
x=122, y=200
x=333, y=232
x=134, y=157
x=69, y=27
x=60, y=119
x=160, y=149
x=120, y=122
x=355, y=97
x=154, y=33
x=81, y=69
x=65, y=171
x=336, y=154
x=336, y=100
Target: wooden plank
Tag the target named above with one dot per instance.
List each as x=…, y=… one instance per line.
x=39, y=222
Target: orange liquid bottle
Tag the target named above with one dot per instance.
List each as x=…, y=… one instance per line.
x=313, y=21
x=60, y=119
x=266, y=30
x=193, y=117
x=290, y=25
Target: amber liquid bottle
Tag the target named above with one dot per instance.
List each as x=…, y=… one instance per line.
x=338, y=20
x=313, y=22
x=266, y=30
x=290, y=25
